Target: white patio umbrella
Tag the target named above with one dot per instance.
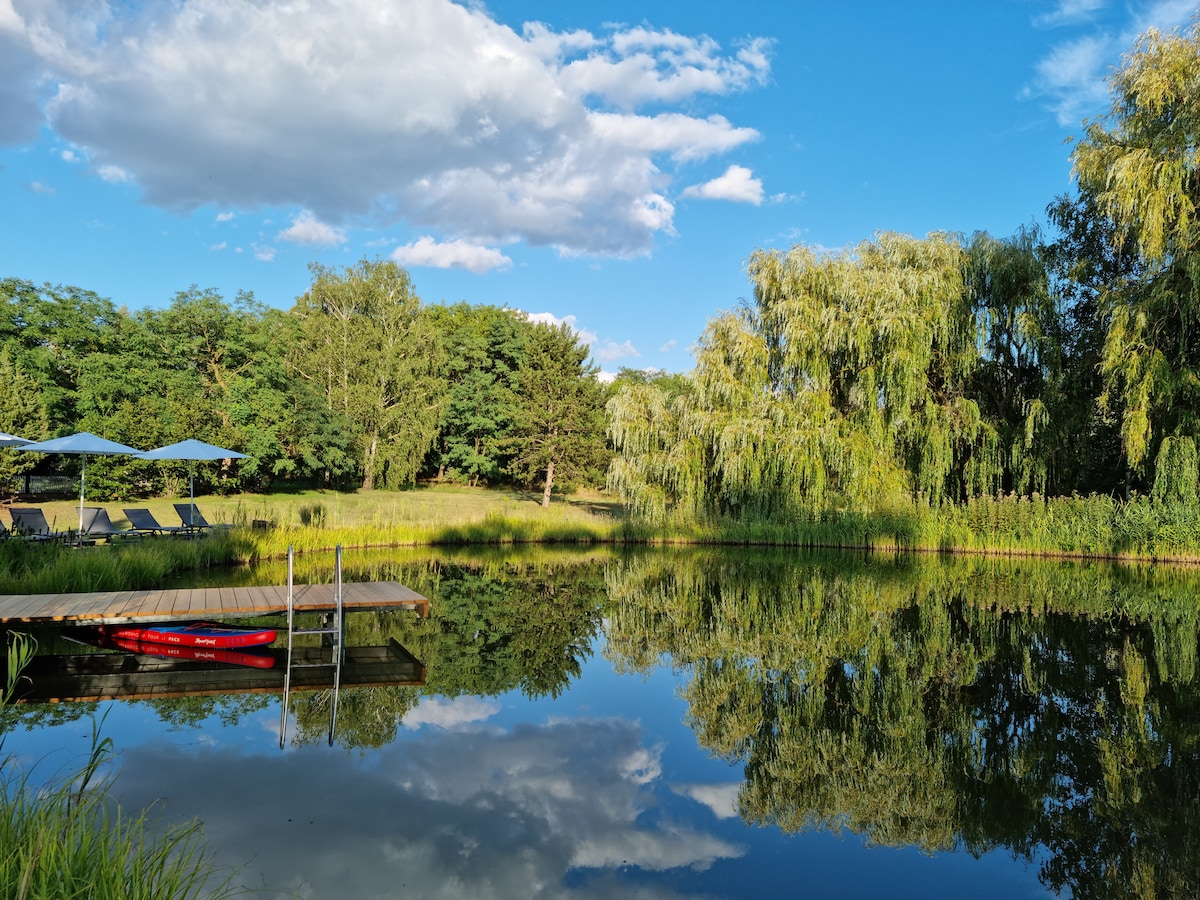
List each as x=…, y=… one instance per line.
x=84, y=444
x=192, y=450
x=10, y=441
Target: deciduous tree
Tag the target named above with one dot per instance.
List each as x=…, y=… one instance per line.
x=367, y=344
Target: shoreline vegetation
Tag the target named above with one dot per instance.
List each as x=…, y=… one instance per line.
x=67, y=838
x=1138, y=531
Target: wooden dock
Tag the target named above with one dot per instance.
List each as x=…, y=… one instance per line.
x=112, y=676
x=117, y=607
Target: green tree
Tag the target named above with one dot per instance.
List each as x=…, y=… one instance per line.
x=1084, y=260
x=484, y=347
x=22, y=413
x=558, y=419
x=368, y=346
x=1140, y=164
x=52, y=330
x=846, y=382
x=1009, y=286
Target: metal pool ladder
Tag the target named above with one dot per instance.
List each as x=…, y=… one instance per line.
x=333, y=634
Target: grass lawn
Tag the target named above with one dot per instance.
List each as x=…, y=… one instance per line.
x=425, y=506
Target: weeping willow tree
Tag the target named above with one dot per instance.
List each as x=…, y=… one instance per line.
x=1015, y=383
x=844, y=383
x=1141, y=164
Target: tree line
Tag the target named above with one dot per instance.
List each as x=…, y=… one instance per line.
x=1055, y=361
x=949, y=367
x=359, y=384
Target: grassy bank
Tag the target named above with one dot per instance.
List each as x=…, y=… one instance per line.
x=1096, y=527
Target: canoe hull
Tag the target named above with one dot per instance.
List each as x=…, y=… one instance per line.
x=209, y=635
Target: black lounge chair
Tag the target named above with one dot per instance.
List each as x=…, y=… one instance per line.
x=192, y=518
x=29, y=522
x=143, y=522
x=97, y=525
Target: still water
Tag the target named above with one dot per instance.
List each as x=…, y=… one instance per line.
x=699, y=724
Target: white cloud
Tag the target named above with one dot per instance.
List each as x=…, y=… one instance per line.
x=668, y=346
x=1073, y=77
x=114, y=174
x=642, y=65
x=449, y=714
x=611, y=351
x=39, y=188
x=1069, y=11
x=588, y=337
x=427, y=251
x=68, y=156
x=306, y=228
x=738, y=185
x=225, y=216
x=220, y=246
x=264, y=252
x=434, y=113
x=20, y=73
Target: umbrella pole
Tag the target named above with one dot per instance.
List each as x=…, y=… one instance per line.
x=82, y=482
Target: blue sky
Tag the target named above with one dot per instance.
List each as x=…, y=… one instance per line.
x=607, y=164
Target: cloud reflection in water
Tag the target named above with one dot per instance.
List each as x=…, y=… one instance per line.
x=479, y=813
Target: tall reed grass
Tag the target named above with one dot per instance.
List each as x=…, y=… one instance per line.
x=66, y=838
x=1086, y=527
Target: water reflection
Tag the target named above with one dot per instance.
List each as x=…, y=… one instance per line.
x=970, y=710
x=977, y=704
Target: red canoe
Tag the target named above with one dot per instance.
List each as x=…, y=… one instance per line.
x=193, y=634
x=254, y=656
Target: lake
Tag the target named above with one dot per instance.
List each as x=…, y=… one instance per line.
x=697, y=723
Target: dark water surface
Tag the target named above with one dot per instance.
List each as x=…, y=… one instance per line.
x=700, y=724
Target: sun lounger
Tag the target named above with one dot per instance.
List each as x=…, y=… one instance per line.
x=192, y=518
x=29, y=522
x=97, y=524
x=143, y=521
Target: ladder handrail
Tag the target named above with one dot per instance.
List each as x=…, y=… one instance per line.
x=336, y=635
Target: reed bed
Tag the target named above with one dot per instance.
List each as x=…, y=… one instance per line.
x=1080, y=527
x=66, y=838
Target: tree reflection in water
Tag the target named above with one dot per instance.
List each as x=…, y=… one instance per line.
x=977, y=704
x=982, y=704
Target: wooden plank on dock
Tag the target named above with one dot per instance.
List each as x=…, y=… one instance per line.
x=109, y=607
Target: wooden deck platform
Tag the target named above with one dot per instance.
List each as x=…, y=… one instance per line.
x=114, y=607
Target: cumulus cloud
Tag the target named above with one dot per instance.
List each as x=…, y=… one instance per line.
x=430, y=112
x=457, y=254
x=225, y=216
x=21, y=71
x=611, y=351
x=306, y=228
x=546, y=318
x=113, y=174
x=738, y=185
